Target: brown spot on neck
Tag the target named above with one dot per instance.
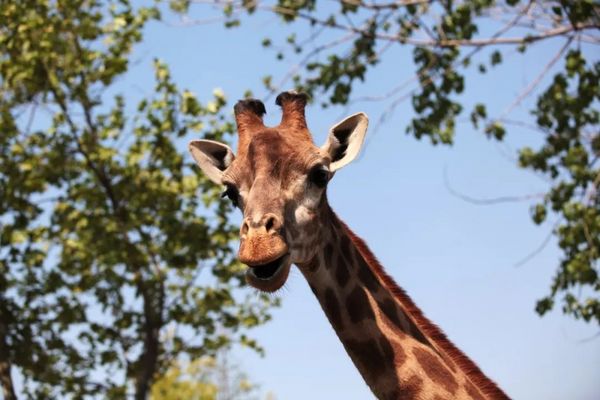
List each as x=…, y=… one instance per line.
x=345, y=248
x=333, y=311
x=434, y=368
x=328, y=255
x=342, y=275
x=358, y=307
x=374, y=358
x=313, y=265
x=409, y=388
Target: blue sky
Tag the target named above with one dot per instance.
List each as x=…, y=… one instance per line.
x=457, y=260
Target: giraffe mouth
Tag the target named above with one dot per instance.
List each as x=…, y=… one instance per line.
x=270, y=276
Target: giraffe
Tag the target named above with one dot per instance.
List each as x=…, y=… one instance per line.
x=278, y=179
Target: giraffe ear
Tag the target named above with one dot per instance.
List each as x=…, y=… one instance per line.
x=212, y=157
x=345, y=140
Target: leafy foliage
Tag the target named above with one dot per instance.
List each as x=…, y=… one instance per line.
x=189, y=381
x=568, y=113
x=347, y=39
x=206, y=378
x=102, y=241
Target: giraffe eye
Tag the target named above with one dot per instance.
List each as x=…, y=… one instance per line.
x=232, y=193
x=319, y=176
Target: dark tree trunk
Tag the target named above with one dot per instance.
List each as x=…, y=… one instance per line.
x=8, y=389
x=148, y=362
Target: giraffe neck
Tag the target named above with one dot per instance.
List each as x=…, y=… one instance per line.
x=398, y=352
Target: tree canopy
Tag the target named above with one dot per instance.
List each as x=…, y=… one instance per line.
x=102, y=235
x=334, y=46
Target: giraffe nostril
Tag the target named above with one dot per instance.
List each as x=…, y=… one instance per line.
x=244, y=229
x=270, y=223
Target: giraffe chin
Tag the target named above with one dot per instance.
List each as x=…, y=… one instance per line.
x=269, y=277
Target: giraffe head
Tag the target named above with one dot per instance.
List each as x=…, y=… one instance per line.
x=278, y=179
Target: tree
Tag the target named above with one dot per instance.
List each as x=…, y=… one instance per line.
x=101, y=240
x=336, y=44
x=190, y=381
x=206, y=378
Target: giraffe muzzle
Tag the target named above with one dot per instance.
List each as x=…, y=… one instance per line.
x=264, y=250
x=259, y=248
x=271, y=276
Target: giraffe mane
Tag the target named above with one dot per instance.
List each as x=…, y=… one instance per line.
x=431, y=330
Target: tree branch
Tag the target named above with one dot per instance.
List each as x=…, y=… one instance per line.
x=6, y=381
x=537, y=80
x=386, y=6
x=487, y=201
x=306, y=58
x=538, y=249
x=153, y=322
x=550, y=33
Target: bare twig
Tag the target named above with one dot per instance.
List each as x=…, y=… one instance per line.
x=550, y=33
x=306, y=58
x=488, y=201
x=186, y=21
x=426, y=70
x=442, y=42
x=382, y=6
x=538, y=249
x=527, y=91
x=590, y=339
x=31, y=118
x=522, y=124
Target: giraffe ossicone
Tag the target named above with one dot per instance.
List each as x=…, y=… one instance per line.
x=278, y=179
